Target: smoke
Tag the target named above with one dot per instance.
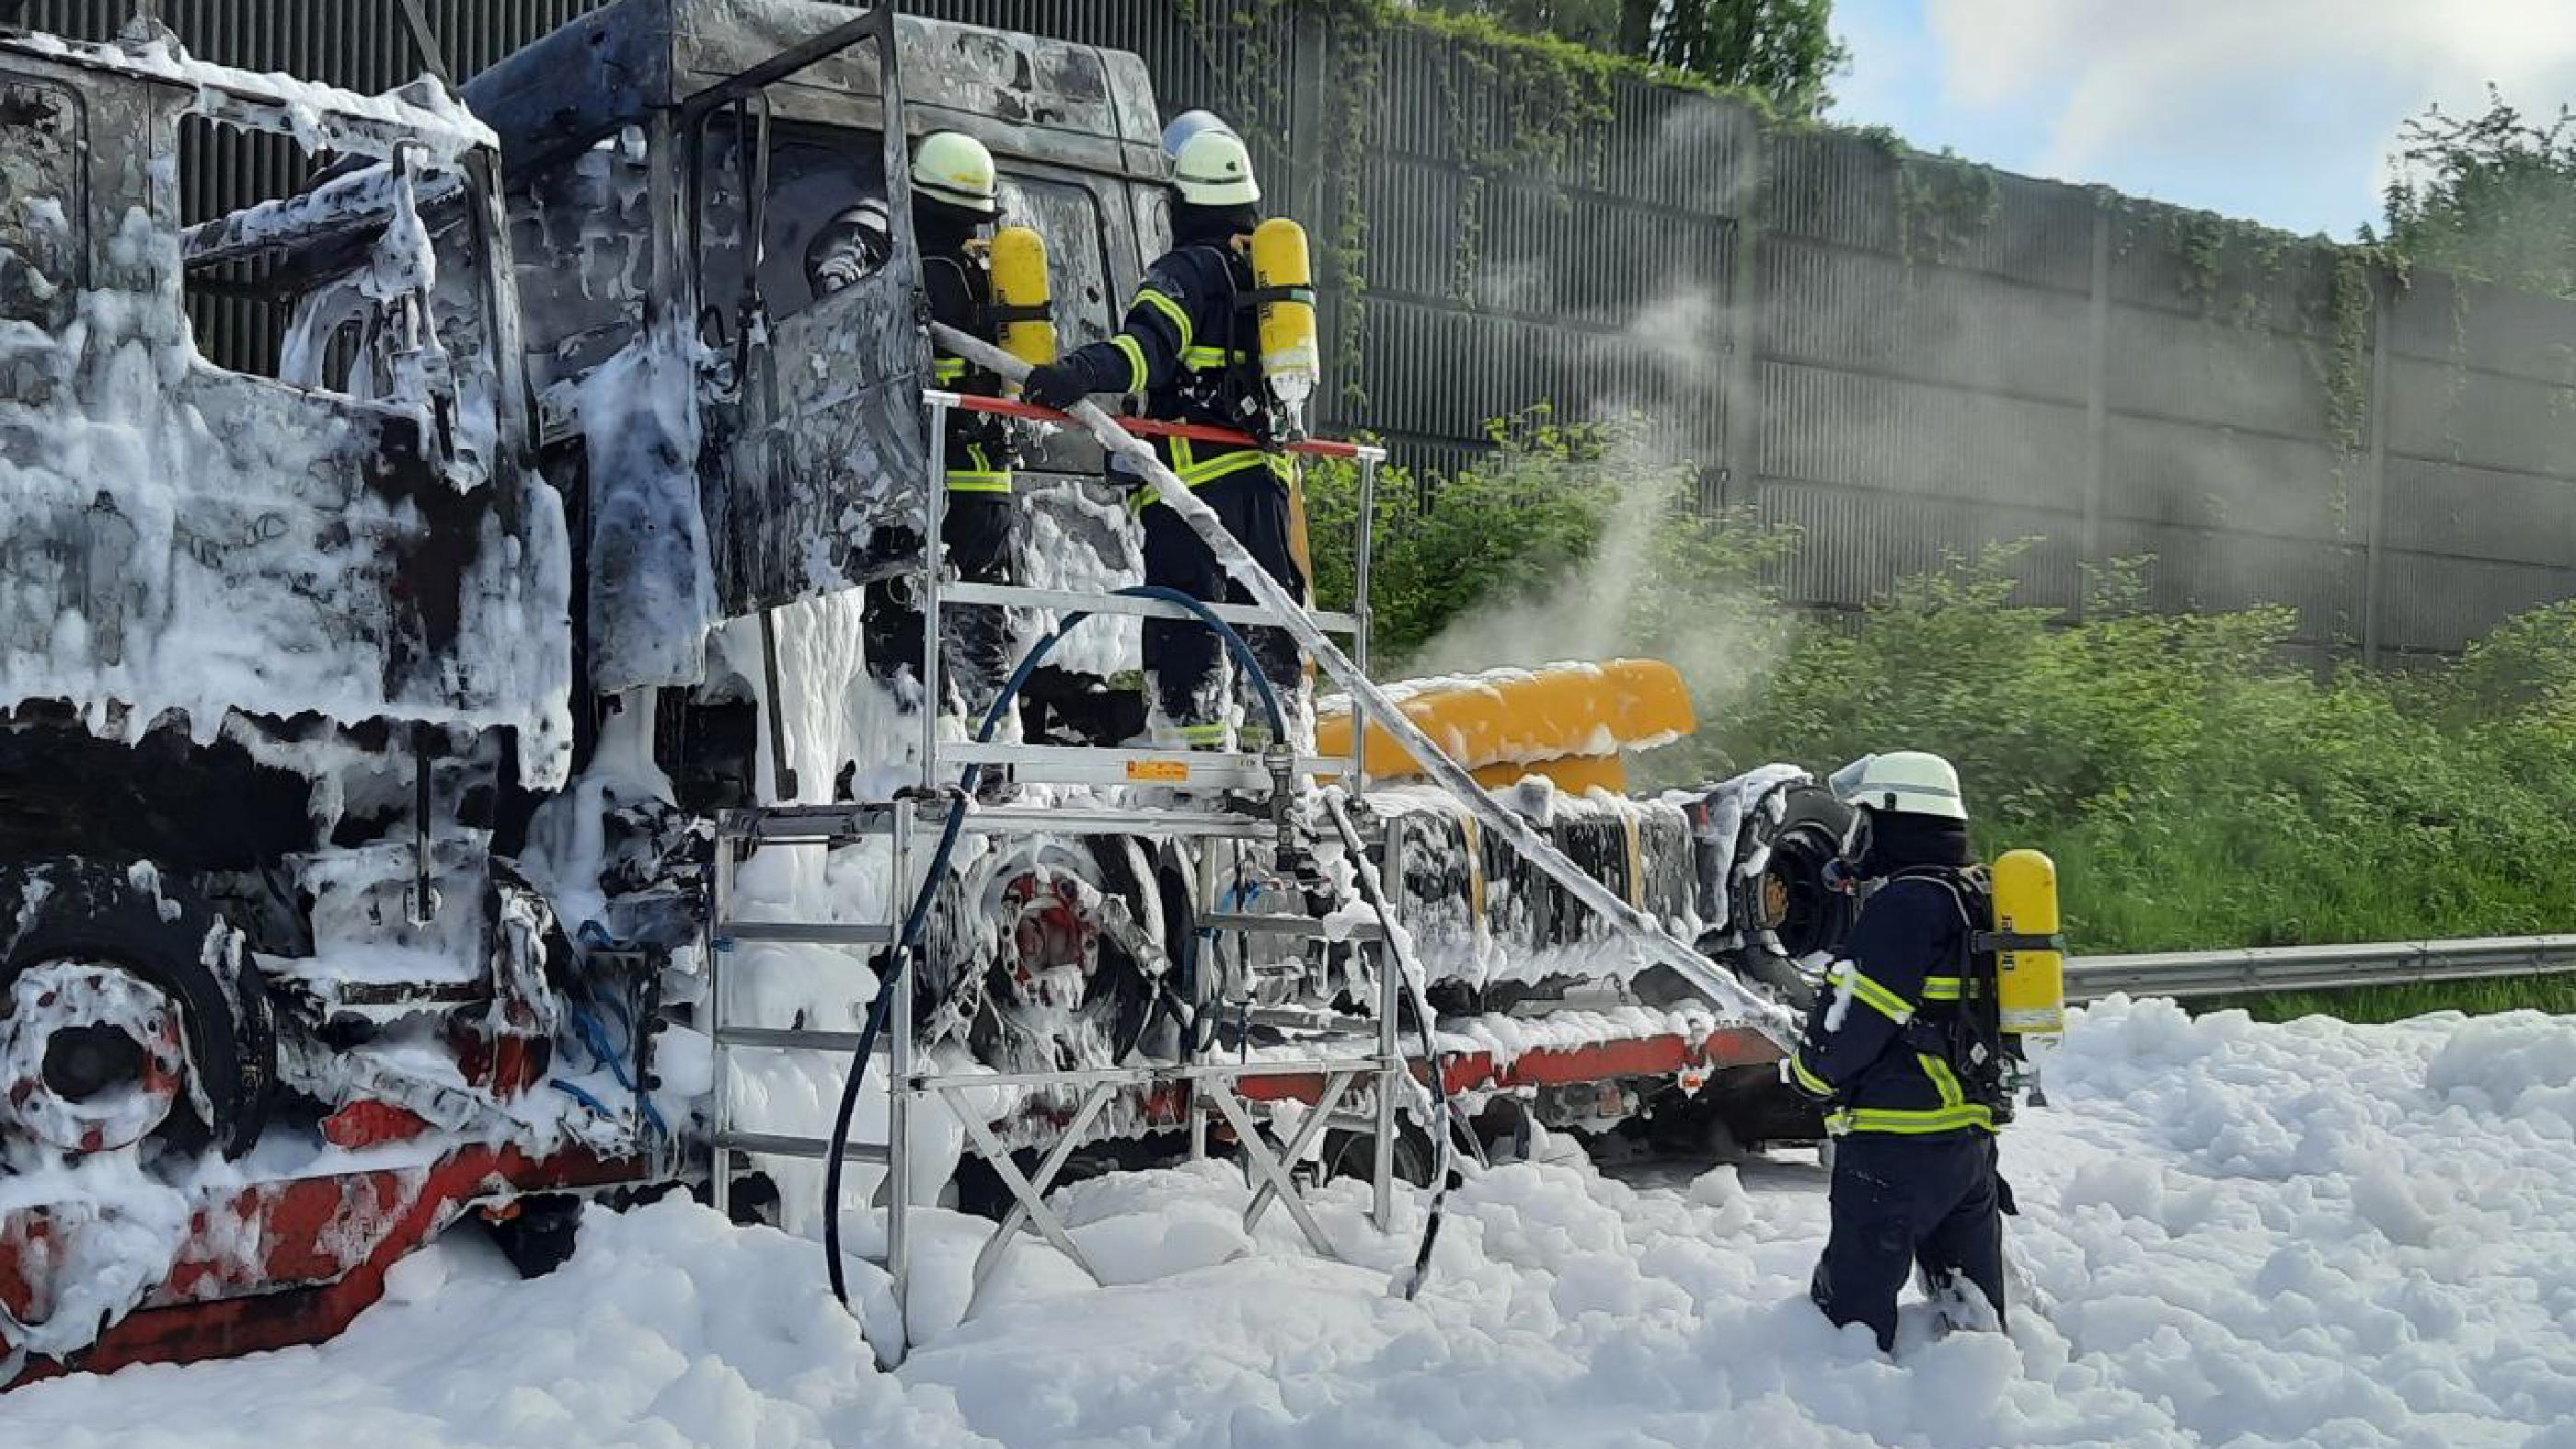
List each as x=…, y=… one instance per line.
x=1631, y=597
x=1663, y=579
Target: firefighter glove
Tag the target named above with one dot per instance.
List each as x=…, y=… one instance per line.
x=1055, y=385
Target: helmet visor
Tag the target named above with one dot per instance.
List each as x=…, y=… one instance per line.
x=1187, y=125
x=1846, y=782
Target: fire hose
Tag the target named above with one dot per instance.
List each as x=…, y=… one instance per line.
x=917, y=919
x=1647, y=936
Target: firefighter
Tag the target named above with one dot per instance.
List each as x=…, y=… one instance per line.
x=1904, y=1062
x=953, y=200
x=1189, y=345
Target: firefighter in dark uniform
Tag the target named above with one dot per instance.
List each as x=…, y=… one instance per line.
x=953, y=199
x=1913, y=1094
x=1190, y=346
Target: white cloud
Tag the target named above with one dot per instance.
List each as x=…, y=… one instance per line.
x=2227, y=90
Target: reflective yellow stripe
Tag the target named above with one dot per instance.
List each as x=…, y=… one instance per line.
x=1223, y=466
x=1888, y=1119
x=1203, y=734
x=1134, y=352
x=1941, y=988
x=1808, y=1079
x=1200, y=359
x=1955, y=1111
x=1887, y=1003
x=948, y=369
x=1179, y=315
x=979, y=476
x=1195, y=473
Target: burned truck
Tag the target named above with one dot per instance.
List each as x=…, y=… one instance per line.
x=370, y=713
x=283, y=665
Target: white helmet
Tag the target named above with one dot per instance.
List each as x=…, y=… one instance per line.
x=953, y=167
x=1210, y=164
x=1909, y=782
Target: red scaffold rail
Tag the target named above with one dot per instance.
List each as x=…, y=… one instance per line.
x=1150, y=428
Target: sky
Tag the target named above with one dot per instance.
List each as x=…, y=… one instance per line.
x=2282, y=111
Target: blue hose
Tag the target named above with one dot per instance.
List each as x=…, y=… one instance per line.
x=918, y=917
x=594, y=1039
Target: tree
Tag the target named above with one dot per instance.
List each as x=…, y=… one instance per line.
x=2491, y=196
x=1784, y=49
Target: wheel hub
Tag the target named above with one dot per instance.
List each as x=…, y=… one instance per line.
x=1055, y=938
x=92, y=1056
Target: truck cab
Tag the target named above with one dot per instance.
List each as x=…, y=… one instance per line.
x=276, y=646
x=734, y=443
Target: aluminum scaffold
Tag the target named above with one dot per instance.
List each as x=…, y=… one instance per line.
x=1324, y=1066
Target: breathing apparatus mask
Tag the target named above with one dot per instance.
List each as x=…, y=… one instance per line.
x=1842, y=873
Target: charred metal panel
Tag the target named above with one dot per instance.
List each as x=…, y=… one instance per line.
x=843, y=457
x=175, y=537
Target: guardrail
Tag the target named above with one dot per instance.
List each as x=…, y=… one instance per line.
x=2316, y=968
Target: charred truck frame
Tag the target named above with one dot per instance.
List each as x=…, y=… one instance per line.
x=374, y=731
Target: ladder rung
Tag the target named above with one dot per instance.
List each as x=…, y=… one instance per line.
x=1295, y=1020
x=806, y=822
x=797, y=1039
x=1289, y=926
x=814, y=1147
x=1074, y=765
x=1072, y=601
x=808, y=933
x=1022, y=820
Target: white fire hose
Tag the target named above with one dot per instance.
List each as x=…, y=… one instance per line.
x=1648, y=936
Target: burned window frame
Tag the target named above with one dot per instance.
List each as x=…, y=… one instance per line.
x=50, y=309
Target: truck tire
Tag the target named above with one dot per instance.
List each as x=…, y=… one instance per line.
x=1784, y=912
x=162, y=933
x=538, y=1232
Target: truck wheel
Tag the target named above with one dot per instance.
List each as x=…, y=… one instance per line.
x=105, y=952
x=1353, y=1154
x=1059, y=988
x=1784, y=913
x=537, y=1233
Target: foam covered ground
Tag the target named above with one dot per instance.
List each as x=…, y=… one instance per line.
x=2242, y=1234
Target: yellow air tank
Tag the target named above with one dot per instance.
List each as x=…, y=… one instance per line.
x=1023, y=297
x=2031, y=983
x=1284, y=278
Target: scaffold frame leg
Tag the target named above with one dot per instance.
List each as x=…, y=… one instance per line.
x=1023, y=1192
x=1258, y=1156
x=1336, y=1087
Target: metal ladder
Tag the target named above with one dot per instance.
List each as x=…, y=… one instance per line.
x=1219, y=1093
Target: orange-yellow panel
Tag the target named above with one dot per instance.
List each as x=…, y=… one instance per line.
x=1525, y=716
x=1574, y=774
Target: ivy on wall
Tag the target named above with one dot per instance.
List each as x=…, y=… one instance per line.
x=1529, y=111
x=1518, y=105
